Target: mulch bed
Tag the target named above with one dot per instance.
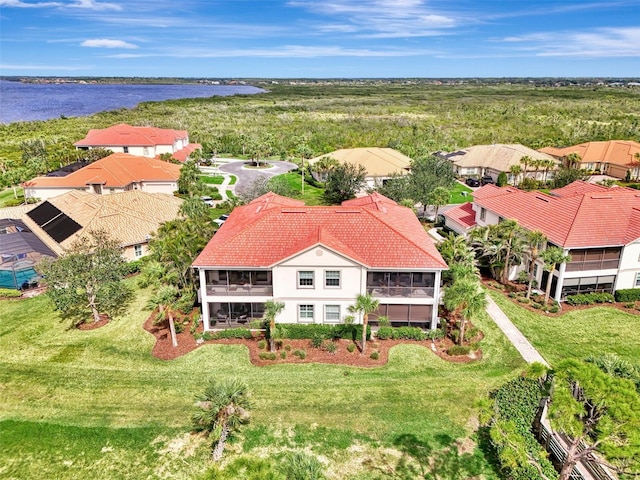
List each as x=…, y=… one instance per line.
x=104, y=319
x=164, y=350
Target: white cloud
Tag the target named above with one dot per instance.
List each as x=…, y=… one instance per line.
x=84, y=4
x=601, y=42
x=107, y=43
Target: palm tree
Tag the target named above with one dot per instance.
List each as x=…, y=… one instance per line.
x=515, y=170
x=222, y=408
x=454, y=249
x=526, y=161
x=547, y=164
x=165, y=299
x=573, y=160
x=323, y=166
x=536, y=240
x=636, y=163
x=511, y=234
x=271, y=310
x=465, y=299
x=552, y=256
x=365, y=304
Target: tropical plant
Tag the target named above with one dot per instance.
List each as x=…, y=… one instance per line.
x=515, y=171
x=535, y=241
x=271, y=310
x=525, y=161
x=552, y=256
x=365, y=304
x=221, y=409
x=438, y=197
x=323, y=167
x=465, y=299
x=344, y=181
x=164, y=300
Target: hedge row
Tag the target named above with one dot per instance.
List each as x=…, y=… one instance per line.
x=9, y=293
x=304, y=332
x=628, y=295
x=590, y=298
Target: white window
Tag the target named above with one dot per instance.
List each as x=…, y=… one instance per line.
x=637, y=280
x=305, y=279
x=145, y=150
x=305, y=313
x=332, y=278
x=137, y=250
x=332, y=313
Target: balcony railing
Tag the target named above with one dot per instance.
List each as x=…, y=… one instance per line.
x=241, y=290
x=413, y=292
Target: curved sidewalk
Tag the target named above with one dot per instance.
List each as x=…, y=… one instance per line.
x=524, y=347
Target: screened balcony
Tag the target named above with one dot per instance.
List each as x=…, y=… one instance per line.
x=256, y=283
x=401, y=284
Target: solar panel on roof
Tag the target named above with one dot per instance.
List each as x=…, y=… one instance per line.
x=43, y=213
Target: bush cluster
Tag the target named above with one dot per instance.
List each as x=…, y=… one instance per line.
x=401, y=333
x=351, y=347
x=267, y=356
x=590, y=298
x=628, y=295
x=325, y=332
x=9, y=293
x=232, y=333
x=458, y=350
x=515, y=407
x=130, y=268
x=374, y=355
x=301, y=354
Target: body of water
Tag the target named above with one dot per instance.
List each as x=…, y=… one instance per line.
x=32, y=101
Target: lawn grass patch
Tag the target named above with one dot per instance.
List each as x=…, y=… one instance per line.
x=212, y=180
x=7, y=195
x=312, y=195
x=577, y=334
x=460, y=194
x=102, y=383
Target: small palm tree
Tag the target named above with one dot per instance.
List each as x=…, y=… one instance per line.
x=164, y=300
x=271, y=310
x=222, y=408
x=535, y=240
x=365, y=304
x=552, y=256
x=465, y=299
x=515, y=170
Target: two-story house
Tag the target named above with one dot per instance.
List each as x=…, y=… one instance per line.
x=599, y=227
x=316, y=260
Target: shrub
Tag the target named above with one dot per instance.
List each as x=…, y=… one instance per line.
x=262, y=344
x=384, y=321
x=590, y=298
x=628, y=295
x=374, y=355
x=331, y=347
x=384, y=333
x=471, y=333
x=435, y=334
x=129, y=268
x=630, y=305
x=301, y=354
x=194, y=325
x=346, y=331
x=301, y=465
x=524, y=300
x=205, y=336
x=283, y=354
x=317, y=340
x=267, y=356
x=287, y=347
x=351, y=347
x=9, y=293
x=234, y=333
x=457, y=350
x=554, y=309
x=536, y=305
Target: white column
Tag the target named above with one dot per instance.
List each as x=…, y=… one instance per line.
x=561, y=271
x=436, y=300
x=204, y=301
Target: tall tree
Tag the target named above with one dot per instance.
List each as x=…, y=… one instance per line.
x=552, y=257
x=438, y=197
x=535, y=241
x=515, y=171
x=87, y=280
x=526, y=160
x=344, y=181
x=323, y=167
x=573, y=160
x=428, y=173
x=222, y=408
x=271, y=310
x=511, y=234
x=365, y=305
x=589, y=406
x=465, y=299
x=189, y=182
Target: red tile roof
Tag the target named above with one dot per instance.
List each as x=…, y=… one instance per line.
x=620, y=152
x=373, y=231
x=463, y=215
x=579, y=187
x=578, y=220
x=115, y=171
x=126, y=135
x=183, y=154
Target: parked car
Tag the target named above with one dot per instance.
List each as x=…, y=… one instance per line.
x=487, y=179
x=221, y=219
x=472, y=182
x=207, y=200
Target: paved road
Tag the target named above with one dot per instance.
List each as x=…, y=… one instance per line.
x=246, y=176
x=528, y=352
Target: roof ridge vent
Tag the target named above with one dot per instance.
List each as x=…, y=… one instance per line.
x=602, y=196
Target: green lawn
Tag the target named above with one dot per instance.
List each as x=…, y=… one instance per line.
x=460, y=194
x=8, y=195
x=312, y=195
x=579, y=333
x=214, y=180
x=96, y=404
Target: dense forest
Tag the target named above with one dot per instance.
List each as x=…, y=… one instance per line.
x=415, y=119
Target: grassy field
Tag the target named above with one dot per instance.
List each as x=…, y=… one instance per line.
x=460, y=194
x=96, y=404
x=311, y=196
x=579, y=333
x=7, y=195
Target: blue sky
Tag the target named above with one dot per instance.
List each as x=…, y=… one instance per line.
x=320, y=39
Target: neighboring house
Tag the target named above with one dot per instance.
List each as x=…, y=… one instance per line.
x=20, y=251
x=144, y=141
x=380, y=163
x=317, y=259
x=481, y=160
x=128, y=217
x=118, y=172
x=598, y=226
x=613, y=158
